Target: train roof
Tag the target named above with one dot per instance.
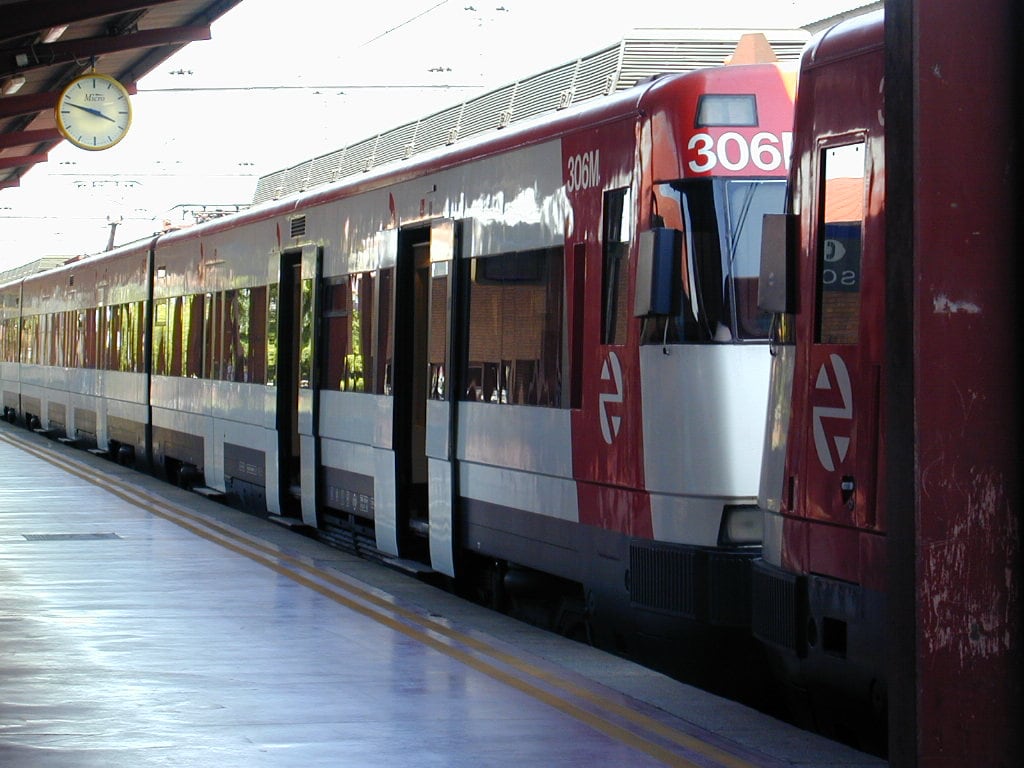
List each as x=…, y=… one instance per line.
x=639, y=56
x=844, y=39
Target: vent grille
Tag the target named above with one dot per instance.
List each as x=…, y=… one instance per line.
x=70, y=536
x=776, y=615
x=484, y=113
x=298, y=226
x=356, y=158
x=729, y=600
x=392, y=145
x=542, y=93
x=639, y=56
x=665, y=578
x=433, y=131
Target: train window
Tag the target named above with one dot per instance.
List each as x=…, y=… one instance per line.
x=839, y=244
x=211, y=336
x=193, y=312
x=239, y=353
x=515, y=332
x=108, y=338
x=721, y=224
x=384, y=344
x=121, y=331
x=747, y=203
x=305, y=378
x=437, y=335
x=161, y=338
x=126, y=334
x=722, y=109
x=273, y=291
x=352, y=333
x=89, y=336
x=257, y=330
x=615, y=275
x=167, y=355
x=336, y=325
x=29, y=345
x=51, y=333
x=9, y=341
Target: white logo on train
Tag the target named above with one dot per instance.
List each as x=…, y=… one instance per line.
x=610, y=371
x=841, y=376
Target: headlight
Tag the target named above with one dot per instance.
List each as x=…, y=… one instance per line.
x=741, y=526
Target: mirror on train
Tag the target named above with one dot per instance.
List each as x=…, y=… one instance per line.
x=778, y=251
x=658, y=272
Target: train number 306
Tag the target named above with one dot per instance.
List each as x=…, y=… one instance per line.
x=734, y=152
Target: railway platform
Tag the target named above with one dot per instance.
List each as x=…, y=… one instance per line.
x=144, y=625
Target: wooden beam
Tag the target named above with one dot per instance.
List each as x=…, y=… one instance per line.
x=22, y=161
x=67, y=51
x=30, y=17
x=25, y=138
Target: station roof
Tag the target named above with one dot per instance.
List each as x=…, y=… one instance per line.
x=44, y=44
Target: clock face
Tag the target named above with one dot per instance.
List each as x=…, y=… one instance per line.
x=93, y=112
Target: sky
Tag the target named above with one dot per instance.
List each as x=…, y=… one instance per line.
x=280, y=83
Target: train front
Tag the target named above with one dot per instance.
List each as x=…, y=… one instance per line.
x=717, y=145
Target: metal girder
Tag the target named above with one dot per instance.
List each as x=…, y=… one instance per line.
x=66, y=51
x=27, y=104
x=25, y=138
x=29, y=17
x=22, y=160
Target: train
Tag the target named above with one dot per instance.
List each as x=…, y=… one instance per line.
x=529, y=363
x=626, y=369
x=820, y=581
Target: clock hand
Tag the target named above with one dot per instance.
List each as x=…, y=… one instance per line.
x=92, y=111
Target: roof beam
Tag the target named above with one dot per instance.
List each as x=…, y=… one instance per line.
x=25, y=138
x=66, y=51
x=29, y=17
x=32, y=103
x=27, y=104
x=22, y=160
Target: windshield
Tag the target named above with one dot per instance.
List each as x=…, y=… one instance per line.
x=721, y=224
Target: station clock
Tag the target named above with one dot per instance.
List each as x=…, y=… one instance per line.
x=93, y=111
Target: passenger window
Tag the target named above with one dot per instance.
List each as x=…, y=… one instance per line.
x=840, y=243
x=350, y=322
x=515, y=329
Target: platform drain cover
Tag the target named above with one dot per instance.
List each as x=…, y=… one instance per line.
x=69, y=536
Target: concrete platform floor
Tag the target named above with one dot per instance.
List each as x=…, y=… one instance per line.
x=143, y=625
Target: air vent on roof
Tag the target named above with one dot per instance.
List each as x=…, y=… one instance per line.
x=298, y=226
x=69, y=536
x=636, y=58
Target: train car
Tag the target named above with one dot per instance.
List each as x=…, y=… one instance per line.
x=530, y=361
x=78, y=335
x=819, y=586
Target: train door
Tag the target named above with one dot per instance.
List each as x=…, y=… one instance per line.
x=843, y=371
x=297, y=402
x=421, y=372
x=444, y=345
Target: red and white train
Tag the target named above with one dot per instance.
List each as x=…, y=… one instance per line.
x=536, y=351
